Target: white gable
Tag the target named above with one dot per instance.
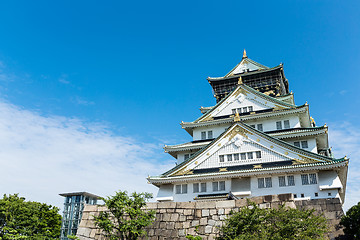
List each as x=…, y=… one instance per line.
x=241, y=139
x=244, y=66
x=241, y=100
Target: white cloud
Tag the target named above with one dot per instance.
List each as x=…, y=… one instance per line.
x=345, y=139
x=41, y=157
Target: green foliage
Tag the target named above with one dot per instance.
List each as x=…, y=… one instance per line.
x=191, y=237
x=20, y=219
x=72, y=237
x=351, y=222
x=252, y=222
x=125, y=219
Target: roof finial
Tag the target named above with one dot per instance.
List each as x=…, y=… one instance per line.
x=237, y=116
x=244, y=54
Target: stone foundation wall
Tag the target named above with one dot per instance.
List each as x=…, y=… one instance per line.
x=176, y=219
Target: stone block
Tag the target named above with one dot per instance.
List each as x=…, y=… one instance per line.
x=330, y=215
x=205, y=212
x=188, y=212
x=203, y=221
x=151, y=205
x=222, y=217
x=241, y=203
x=228, y=210
x=186, y=225
x=221, y=211
x=174, y=217
x=167, y=205
x=170, y=210
x=102, y=209
x=195, y=223
x=83, y=223
x=208, y=229
x=189, y=205
x=268, y=198
x=213, y=211
x=212, y=237
x=290, y=205
x=182, y=218
x=181, y=232
x=162, y=225
x=286, y=197
x=162, y=210
x=211, y=222
x=170, y=225
x=92, y=233
x=90, y=208
x=205, y=204
x=179, y=210
x=265, y=205
x=166, y=217
x=257, y=200
x=198, y=213
x=178, y=225
x=225, y=204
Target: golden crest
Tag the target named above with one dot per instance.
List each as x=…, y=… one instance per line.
x=223, y=170
x=237, y=130
x=258, y=166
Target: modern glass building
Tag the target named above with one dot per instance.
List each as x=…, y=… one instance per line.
x=73, y=208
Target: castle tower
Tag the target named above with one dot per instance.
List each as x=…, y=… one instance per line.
x=255, y=141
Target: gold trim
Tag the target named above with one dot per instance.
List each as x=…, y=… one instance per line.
x=258, y=166
x=258, y=140
x=222, y=169
x=237, y=130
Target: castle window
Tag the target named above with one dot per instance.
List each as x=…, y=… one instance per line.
x=221, y=158
x=186, y=156
x=250, y=108
x=253, y=126
x=258, y=154
x=203, y=135
x=291, y=180
x=316, y=194
x=195, y=187
x=329, y=194
x=218, y=186
x=278, y=125
x=304, y=144
x=282, y=182
x=243, y=156
x=308, y=179
x=250, y=155
x=236, y=156
x=233, y=111
x=244, y=109
x=297, y=144
x=181, y=189
x=302, y=195
x=203, y=187
x=210, y=134
x=260, y=127
x=229, y=157
x=305, y=179
x=286, y=124
x=264, y=182
x=313, y=179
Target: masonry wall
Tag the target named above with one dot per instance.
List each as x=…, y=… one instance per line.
x=176, y=219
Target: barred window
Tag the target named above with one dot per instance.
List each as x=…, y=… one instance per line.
x=286, y=124
x=233, y=111
x=258, y=154
x=195, y=187
x=243, y=156
x=210, y=134
x=261, y=183
x=221, y=158
x=250, y=155
x=236, y=156
x=313, y=179
x=297, y=144
x=291, y=180
x=282, y=182
x=244, y=109
x=203, y=135
x=203, y=187
x=184, y=188
x=215, y=186
x=250, y=108
x=305, y=179
x=222, y=185
x=268, y=182
x=264, y=182
x=260, y=127
x=178, y=189
x=304, y=144
x=229, y=157
x=186, y=156
x=278, y=125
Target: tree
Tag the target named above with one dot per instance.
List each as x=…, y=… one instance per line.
x=20, y=219
x=351, y=222
x=125, y=218
x=252, y=222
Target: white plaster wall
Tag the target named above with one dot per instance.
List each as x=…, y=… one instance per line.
x=246, y=102
x=181, y=156
x=270, y=123
x=308, y=190
x=312, y=147
x=217, y=130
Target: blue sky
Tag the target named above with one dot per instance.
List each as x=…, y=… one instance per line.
x=90, y=88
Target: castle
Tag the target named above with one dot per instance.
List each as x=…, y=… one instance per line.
x=254, y=142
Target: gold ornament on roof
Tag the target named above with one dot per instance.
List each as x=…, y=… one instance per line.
x=240, y=81
x=244, y=54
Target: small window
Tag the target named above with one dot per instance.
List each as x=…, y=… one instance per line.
x=236, y=156
x=304, y=144
x=186, y=156
x=221, y=158
x=239, y=110
x=297, y=144
x=268, y=182
x=210, y=134
x=203, y=135
x=243, y=156
x=258, y=154
x=329, y=193
x=234, y=111
x=261, y=182
x=260, y=127
x=195, y=187
x=313, y=179
x=184, y=188
x=229, y=157
x=250, y=155
x=278, y=125
x=215, y=186
x=316, y=194
x=244, y=109
x=178, y=189
x=295, y=196
x=250, y=108
x=282, y=182
x=203, y=187
x=286, y=124
x=253, y=126
x=305, y=179
x=302, y=195
x=222, y=186
x=291, y=180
